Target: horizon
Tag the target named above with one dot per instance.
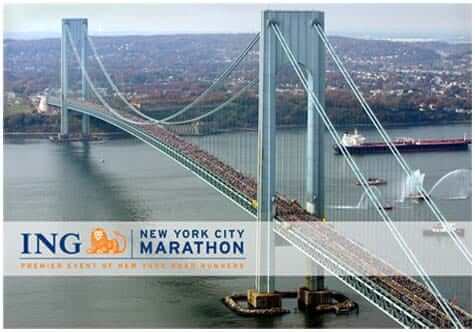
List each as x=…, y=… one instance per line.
x=38, y=36
x=436, y=22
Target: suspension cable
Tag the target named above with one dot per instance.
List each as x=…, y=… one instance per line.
x=401, y=161
x=88, y=79
x=216, y=109
x=394, y=231
x=114, y=87
x=218, y=80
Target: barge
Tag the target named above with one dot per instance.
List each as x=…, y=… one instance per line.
x=443, y=230
x=356, y=144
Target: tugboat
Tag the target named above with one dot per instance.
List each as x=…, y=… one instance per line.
x=356, y=144
x=386, y=207
x=417, y=197
x=414, y=182
x=373, y=182
x=444, y=230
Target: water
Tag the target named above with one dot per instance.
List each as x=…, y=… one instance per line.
x=454, y=185
x=341, y=190
x=126, y=180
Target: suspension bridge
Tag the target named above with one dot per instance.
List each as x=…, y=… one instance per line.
x=287, y=192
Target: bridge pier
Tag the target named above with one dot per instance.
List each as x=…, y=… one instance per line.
x=315, y=162
x=265, y=280
x=313, y=293
x=296, y=26
x=315, y=280
x=64, y=130
x=85, y=119
x=85, y=126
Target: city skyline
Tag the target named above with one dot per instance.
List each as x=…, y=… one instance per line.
x=428, y=21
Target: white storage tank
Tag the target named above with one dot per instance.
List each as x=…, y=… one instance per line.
x=43, y=105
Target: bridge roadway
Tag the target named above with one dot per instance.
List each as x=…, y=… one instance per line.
x=402, y=298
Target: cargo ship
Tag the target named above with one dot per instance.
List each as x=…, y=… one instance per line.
x=356, y=144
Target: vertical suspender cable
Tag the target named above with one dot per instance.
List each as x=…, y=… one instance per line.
x=111, y=83
x=218, y=80
x=395, y=232
x=98, y=95
x=461, y=246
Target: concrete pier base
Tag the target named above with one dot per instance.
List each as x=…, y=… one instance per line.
x=237, y=303
x=257, y=304
x=324, y=301
x=309, y=299
x=74, y=138
x=263, y=300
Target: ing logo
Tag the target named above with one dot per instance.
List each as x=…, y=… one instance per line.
x=101, y=244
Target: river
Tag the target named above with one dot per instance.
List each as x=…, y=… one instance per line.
x=124, y=179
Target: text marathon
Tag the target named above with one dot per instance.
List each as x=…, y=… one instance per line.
x=192, y=242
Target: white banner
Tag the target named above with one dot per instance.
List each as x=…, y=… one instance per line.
x=227, y=248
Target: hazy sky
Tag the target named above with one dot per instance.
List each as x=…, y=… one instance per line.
x=424, y=20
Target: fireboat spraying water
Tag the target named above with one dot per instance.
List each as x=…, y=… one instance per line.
x=411, y=186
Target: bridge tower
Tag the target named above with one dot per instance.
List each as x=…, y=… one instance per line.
x=78, y=29
x=296, y=26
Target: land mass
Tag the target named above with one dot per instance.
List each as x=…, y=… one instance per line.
x=407, y=83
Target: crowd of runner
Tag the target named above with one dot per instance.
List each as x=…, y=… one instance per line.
x=406, y=289
x=362, y=263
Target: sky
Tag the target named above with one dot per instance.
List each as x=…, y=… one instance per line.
x=436, y=21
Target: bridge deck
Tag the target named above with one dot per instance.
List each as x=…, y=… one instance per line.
x=401, y=290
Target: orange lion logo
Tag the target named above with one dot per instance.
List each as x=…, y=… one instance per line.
x=101, y=244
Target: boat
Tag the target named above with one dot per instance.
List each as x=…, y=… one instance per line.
x=387, y=207
x=417, y=196
x=443, y=230
x=373, y=182
x=356, y=143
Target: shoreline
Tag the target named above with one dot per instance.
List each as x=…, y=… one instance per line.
x=46, y=135
x=117, y=135
x=403, y=125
